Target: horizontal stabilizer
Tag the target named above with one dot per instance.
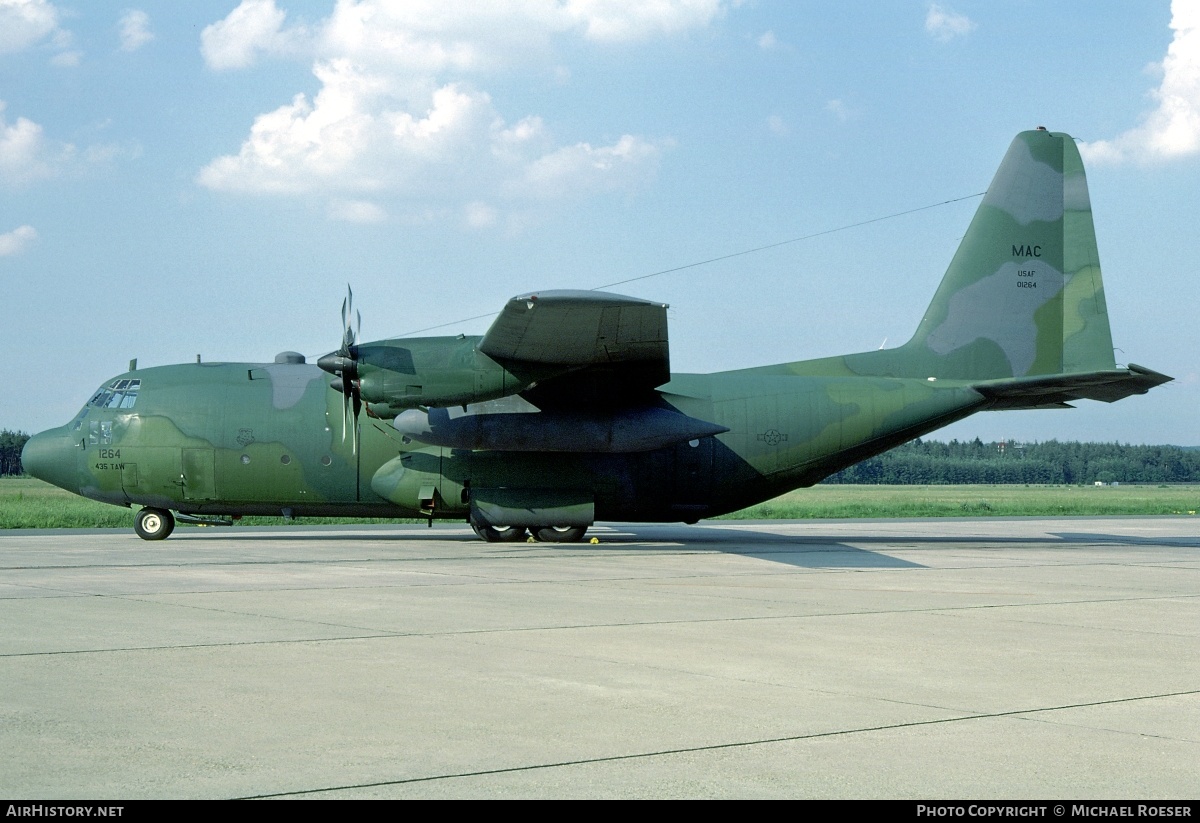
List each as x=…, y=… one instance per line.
x=1056, y=390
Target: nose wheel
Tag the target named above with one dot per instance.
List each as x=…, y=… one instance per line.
x=154, y=524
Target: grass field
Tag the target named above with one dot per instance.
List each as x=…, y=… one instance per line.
x=26, y=503
x=833, y=501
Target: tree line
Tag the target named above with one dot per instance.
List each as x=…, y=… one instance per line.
x=929, y=462
x=11, y=444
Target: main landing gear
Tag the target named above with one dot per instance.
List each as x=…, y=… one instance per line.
x=507, y=534
x=517, y=534
x=154, y=524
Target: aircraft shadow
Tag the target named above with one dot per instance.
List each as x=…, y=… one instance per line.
x=1130, y=540
x=805, y=551
x=801, y=550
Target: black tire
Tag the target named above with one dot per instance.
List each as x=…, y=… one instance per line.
x=560, y=534
x=488, y=532
x=154, y=524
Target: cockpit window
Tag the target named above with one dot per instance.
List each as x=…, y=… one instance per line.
x=100, y=432
x=119, y=394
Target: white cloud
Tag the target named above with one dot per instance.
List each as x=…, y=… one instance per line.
x=397, y=115
x=355, y=137
x=1172, y=129
x=480, y=215
x=615, y=20
x=25, y=153
x=421, y=37
x=15, y=241
x=67, y=59
x=945, y=24
x=24, y=22
x=134, y=29
x=356, y=211
x=768, y=41
x=582, y=168
x=254, y=27
x=433, y=36
x=777, y=126
x=27, y=23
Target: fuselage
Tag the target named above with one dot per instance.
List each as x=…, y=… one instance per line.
x=245, y=439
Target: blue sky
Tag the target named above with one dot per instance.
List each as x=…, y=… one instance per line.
x=205, y=178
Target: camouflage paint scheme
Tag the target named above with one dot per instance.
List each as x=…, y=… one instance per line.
x=563, y=413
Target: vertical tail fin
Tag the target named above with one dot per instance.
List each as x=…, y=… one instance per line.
x=1023, y=295
x=1020, y=313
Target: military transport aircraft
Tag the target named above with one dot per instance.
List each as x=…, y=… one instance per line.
x=565, y=411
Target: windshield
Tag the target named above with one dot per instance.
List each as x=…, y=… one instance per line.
x=119, y=394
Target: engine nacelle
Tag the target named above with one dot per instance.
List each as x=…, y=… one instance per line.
x=393, y=375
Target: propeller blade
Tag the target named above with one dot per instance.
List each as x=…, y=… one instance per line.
x=349, y=337
x=345, y=417
x=344, y=365
x=357, y=411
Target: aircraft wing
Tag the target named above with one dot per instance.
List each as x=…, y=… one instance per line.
x=1056, y=390
x=608, y=343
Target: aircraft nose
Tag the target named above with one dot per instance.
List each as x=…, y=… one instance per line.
x=51, y=456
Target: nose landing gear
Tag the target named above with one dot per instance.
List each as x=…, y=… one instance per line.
x=154, y=524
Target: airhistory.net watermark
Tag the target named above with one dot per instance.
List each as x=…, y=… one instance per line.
x=45, y=810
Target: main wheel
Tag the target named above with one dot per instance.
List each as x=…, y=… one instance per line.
x=154, y=524
x=488, y=532
x=559, y=534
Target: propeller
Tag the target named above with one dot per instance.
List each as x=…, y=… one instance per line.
x=343, y=363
